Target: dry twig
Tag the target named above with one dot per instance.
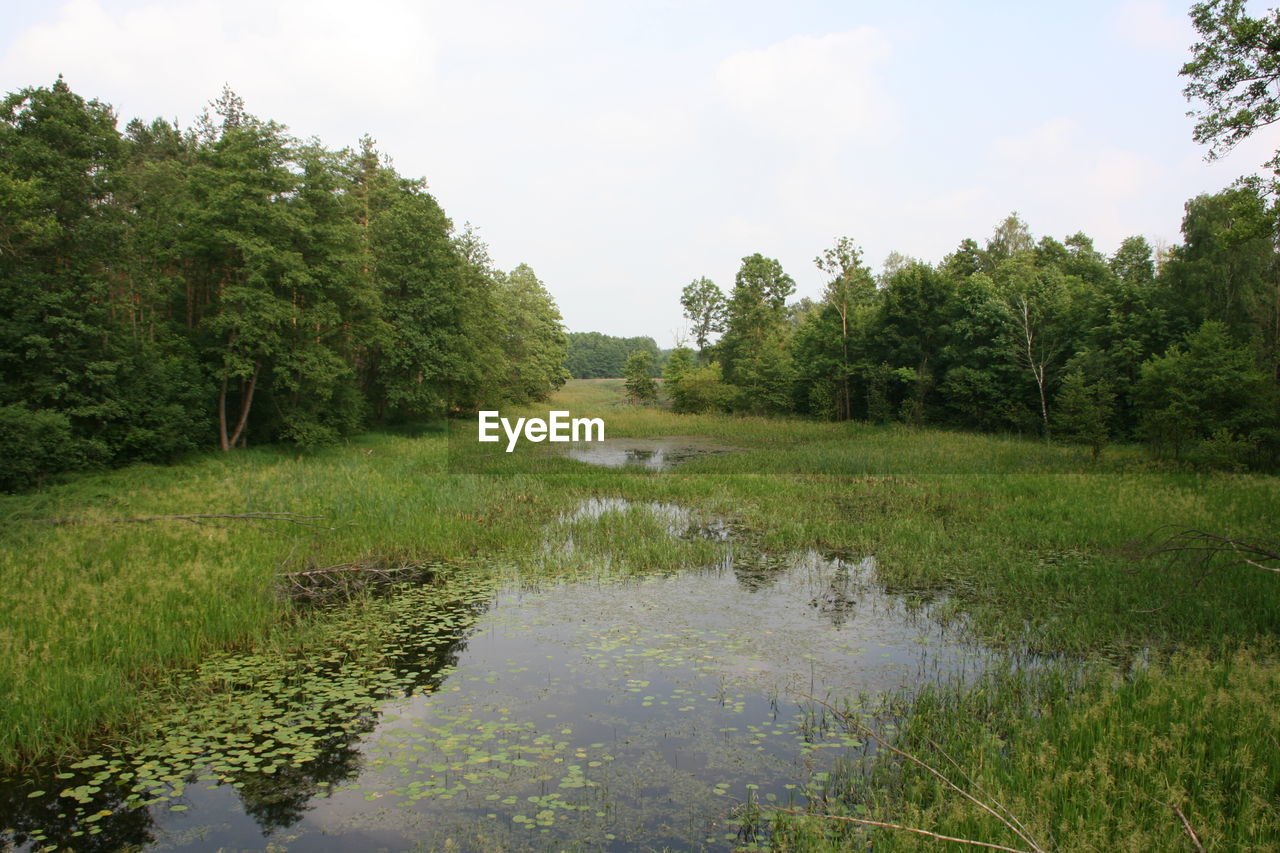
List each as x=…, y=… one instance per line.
x=1003, y=815
x=327, y=581
x=1186, y=824
x=198, y=518
x=1208, y=554
x=883, y=825
x=363, y=568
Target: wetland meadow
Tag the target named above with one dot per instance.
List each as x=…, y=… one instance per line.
x=706, y=633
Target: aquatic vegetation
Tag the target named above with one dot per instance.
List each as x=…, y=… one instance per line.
x=611, y=706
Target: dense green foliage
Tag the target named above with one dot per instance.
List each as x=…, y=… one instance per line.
x=1233, y=73
x=163, y=290
x=593, y=355
x=1035, y=337
x=639, y=375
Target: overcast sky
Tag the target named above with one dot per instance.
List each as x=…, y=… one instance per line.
x=624, y=149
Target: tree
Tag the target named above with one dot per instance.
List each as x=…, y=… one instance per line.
x=532, y=334
x=244, y=234
x=693, y=387
x=593, y=355
x=1011, y=237
x=1133, y=261
x=1233, y=74
x=754, y=350
x=913, y=322
x=1036, y=300
x=704, y=307
x=1223, y=270
x=1083, y=410
x=82, y=335
x=823, y=375
x=164, y=289
x=639, y=375
x=1206, y=384
x=849, y=286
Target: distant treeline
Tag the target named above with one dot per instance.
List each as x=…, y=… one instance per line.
x=593, y=355
x=164, y=289
x=1180, y=348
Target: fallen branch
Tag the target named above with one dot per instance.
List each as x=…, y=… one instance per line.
x=344, y=578
x=362, y=568
x=198, y=518
x=1186, y=824
x=1205, y=552
x=1009, y=820
x=883, y=825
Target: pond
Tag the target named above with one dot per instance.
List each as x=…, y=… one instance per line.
x=652, y=454
x=611, y=713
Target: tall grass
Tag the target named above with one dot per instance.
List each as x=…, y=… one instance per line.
x=1085, y=762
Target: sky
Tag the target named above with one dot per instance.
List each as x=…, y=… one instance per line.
x=623, y=149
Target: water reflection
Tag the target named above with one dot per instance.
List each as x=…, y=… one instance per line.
x=611, y=714
x=651, y=454
x=38, y=822
x=94, y=807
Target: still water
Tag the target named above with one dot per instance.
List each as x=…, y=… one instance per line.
x=608, y=714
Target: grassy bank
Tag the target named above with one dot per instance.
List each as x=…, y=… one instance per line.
x=1032, y=546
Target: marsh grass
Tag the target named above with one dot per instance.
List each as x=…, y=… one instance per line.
x=1028, y=545
x=1085, y=759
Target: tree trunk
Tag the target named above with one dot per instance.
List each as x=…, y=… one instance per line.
x=246, y=402
x=222, y=416
x=1036, y=367
x=846, y=403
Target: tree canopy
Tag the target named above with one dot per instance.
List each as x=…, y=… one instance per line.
x=164, y=289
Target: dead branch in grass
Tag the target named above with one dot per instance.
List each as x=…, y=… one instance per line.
x=1186, y=825
x=862, y=821
x=363, y=568
x=1206, y=554
x=999, y=812
x=326, y=581
x=199, y=518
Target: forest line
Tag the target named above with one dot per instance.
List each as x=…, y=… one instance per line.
x=1021, y=335
x=166, y=289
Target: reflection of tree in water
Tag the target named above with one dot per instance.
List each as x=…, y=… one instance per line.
x=756, y=572
x=21, y=817
x=839, y=600
x=274, y=800
x=645, y=458
x=281, y=799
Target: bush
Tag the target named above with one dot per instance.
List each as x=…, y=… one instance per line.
x=699, y=389
x=1209, y=388
x=34, y=445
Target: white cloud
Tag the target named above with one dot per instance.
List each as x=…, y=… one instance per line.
x=307, y=60
x=815, y=89
x=1063, y=179
x=1117, y=173
x=638, y=131
x=1152, y=25
x=960, y=202
x=1047, y=142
